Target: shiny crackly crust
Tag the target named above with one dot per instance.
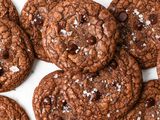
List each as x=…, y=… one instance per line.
x=140, y=43
x=8, y=10
x=106, y=95
x=10, y=110
x=75, y=22
x=143, y=111
x=18, y=57
x=28, y=21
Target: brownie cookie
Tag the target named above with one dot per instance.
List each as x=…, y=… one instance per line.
x=158, y=60
x=105, y=95
x=11, y=110
x=148, y=107
x=79, y=34
x=139, y=26
x=8, y=10
x=16, y=55
x=32, y=18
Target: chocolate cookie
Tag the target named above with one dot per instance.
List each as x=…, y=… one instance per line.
x=139, y=26
x=158, y=60
x=32, y=18
x=8, y=10
x=11, y=110
x=148, y=107
x=79, y=34
x=105, y=95
x=16, y=55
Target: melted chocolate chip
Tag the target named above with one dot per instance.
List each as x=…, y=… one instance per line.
x=97, y=95
x=4, y=54
x=91, y=40
x=1, y=71
x=38, y=20
x=83, y=18
x=122, y=17
x=64, y=104
x=139, y=25
x=72, y=48
x=113, y=64
x=47, y=101
x=153, y=18
x=150, y=102
x=93, y=75
x=140, y=44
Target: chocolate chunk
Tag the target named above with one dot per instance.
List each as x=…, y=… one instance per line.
x=91, y=40
x=153, y=18
x=4, y=54
x=150, y=102
x=139, y=26
x=113, y=64
x=1, y=71
x=122, y=17
x=72, y=48
x=38, y=19
x=140, y=44
x=96, y=96
x=47, y=101
x=83, y=18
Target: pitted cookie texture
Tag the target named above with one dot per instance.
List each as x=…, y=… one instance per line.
x=10, y=110
x=148, y=107
x=16, y=55
x=32, y=19
x=105, y=95
x=139, y=26
x=8, y=10
x=80, y=34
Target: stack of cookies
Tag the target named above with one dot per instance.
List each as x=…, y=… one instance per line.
x=101, y=53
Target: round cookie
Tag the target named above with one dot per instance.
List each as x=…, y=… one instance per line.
x=158, y=60
x=11, y=110
x=32, y=19
x=16, y=55
x=105, y=95
x=148, y=107
x=80, y=34
x=139, y=26
x=8, y=10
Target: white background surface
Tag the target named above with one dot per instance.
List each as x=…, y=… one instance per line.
x=23, y=94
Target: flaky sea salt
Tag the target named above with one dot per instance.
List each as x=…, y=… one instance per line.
x=14, y=69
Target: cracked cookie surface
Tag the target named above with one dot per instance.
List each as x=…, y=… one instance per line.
x=148, y=107
x=16, y=55
x=11, y=110
x=104, y=95
x=139, y=26
x=8, y=10
x=158, y=60
x=32, y=19
x=80, y=35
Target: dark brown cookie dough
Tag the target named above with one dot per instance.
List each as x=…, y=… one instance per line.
x=8, y=10
x=11, y=110
x=139, y=26
x=32, y=19
x=105, y=95
x=80, y=34
x=16, y=55
x=148, y=107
